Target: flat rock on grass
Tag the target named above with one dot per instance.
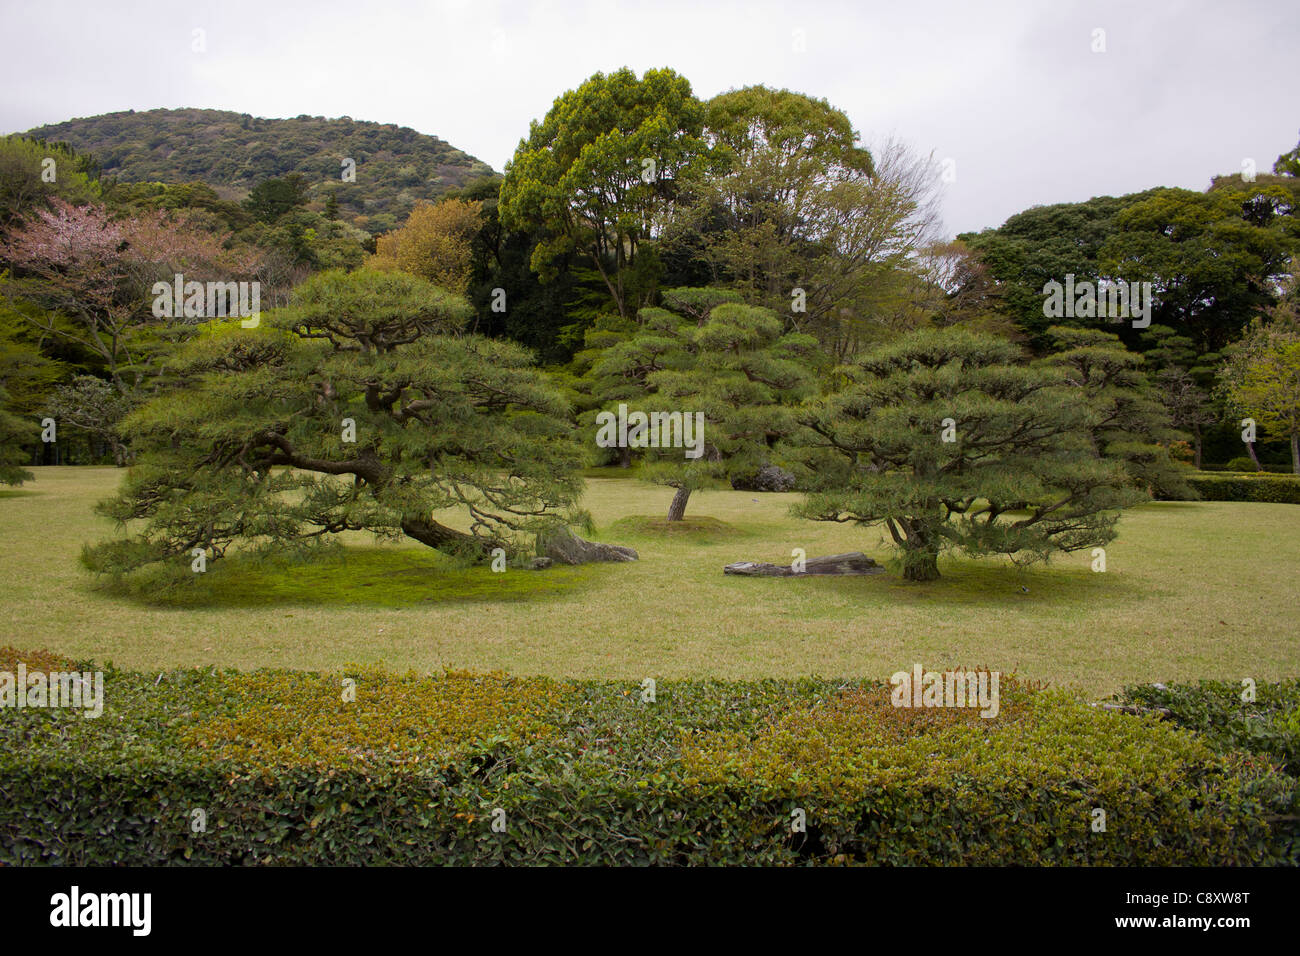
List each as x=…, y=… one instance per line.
x=854, y=562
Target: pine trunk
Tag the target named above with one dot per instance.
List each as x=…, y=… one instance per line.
x=677, y=510
x=920, y=566
x=441, y=538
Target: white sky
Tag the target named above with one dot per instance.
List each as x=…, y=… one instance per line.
x=1010, y=91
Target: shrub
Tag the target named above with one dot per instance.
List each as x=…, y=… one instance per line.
x=1269, y=724
x=418, y=769
x=1267, y=727
x=1253, y=487
x=1246, y=466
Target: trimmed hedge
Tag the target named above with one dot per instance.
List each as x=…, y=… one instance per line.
x=1246, y=466
x=1268, y=725
x=1282, y=489
x=418, y=769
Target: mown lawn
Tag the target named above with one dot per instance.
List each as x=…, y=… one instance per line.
x=1191, y=590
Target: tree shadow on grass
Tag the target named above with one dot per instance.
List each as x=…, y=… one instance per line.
x=17, y=493
x=374, y=577
x=984, y=584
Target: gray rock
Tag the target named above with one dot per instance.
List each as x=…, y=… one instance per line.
x=769, y=478
x=564, y=547
x=854, y=562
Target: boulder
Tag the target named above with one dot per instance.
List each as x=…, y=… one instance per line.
x=769, y=478
x=564, y=547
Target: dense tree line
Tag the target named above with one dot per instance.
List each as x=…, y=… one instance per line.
x=743, y=262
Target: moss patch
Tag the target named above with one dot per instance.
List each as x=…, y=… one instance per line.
x=702, y=528
x=383, y=577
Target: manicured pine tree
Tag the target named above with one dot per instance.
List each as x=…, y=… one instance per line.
x=954, y=441
x=730, y=363
x=361, y=407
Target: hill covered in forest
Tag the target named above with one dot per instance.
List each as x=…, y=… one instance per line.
x=395, y=166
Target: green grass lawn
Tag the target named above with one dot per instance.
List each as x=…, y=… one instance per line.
x=1191, y=590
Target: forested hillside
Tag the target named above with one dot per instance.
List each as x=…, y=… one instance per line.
x=395, y=166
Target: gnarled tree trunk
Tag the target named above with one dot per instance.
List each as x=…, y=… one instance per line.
x=441, y=538
x=920, y=566
x=920, y=557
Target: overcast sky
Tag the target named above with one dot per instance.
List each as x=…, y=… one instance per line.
x=1011, y=92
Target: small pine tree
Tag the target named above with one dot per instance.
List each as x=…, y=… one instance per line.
x=728, y=365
